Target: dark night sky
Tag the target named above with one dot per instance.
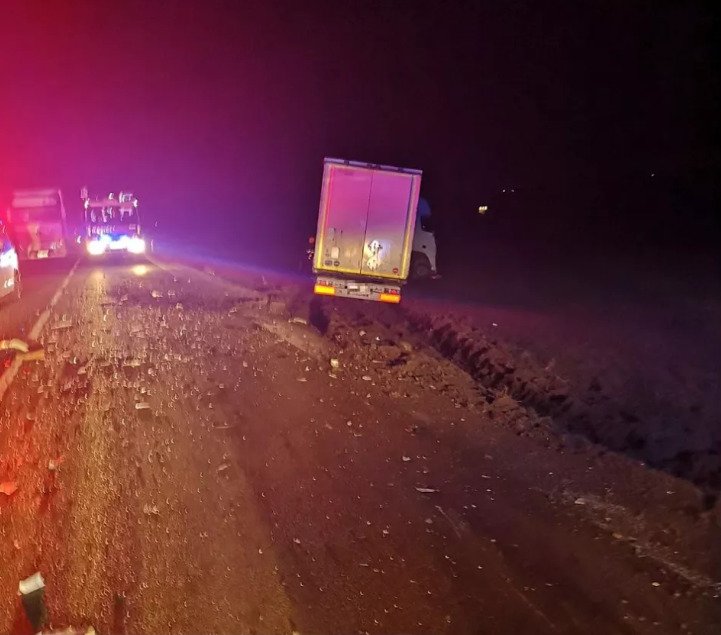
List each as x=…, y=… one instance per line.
x=218, y=114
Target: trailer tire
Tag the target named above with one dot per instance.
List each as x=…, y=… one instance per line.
x=420, y=266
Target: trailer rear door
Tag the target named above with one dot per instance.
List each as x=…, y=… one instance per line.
x=344, y=210
x=390, y=224
x=366, y=220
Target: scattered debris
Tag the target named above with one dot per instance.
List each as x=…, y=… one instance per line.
x=151, y=510
x=367, y=378
x=427, y=490
x=222, y=467
x=334, y=363
x=37, y=355
x=14, y=344
x=406, y=458
x=63, y=324
x=298, y=320
x=142, y=405
x=156, y=294
x=8, y=487
x=32, y=592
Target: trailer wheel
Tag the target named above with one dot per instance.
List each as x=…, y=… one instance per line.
x=420, y=266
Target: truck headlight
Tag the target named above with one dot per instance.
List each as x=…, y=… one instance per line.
x=136, y=245
x=96, y=247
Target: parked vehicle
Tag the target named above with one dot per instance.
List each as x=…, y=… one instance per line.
x=366, y=231
x=10, y=283
x=37, y=224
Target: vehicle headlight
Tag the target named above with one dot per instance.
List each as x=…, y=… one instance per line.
x=136, y=245
x=96, y=247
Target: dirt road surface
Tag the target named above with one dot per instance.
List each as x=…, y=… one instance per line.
x=188, y=458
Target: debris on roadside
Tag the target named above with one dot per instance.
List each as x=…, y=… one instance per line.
x=334, y=363
x=64, y=323
x=14, y=344
x=151, y=510
x=37, y=355
x=156, y=294
x=8, y=487
x=142, y=405
x=32, y=593
x=298, y=320
x=427, y=490
x=367, y=378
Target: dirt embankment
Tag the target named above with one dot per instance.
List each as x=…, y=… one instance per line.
x=643, y=407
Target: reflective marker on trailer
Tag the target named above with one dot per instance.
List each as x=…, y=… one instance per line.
x=393, y=298
x=323, y=289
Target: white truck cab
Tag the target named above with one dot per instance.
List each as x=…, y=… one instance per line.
x=423, y=255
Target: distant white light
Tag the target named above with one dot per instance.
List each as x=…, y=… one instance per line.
x=136, y=245
x=482, y=209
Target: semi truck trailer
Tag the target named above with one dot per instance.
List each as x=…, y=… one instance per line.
x=366, y=231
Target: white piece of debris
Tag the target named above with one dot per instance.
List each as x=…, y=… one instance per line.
x=29, y=585
x=298, y=320
x=579, y=501
x=406, y=458
x=223, y=466
x=62, y=324
x=156, y=294
x=296, y=541
x=334, y=363
x=142, y=405
x=302, y=379
x=427, y=490
x=367, y=378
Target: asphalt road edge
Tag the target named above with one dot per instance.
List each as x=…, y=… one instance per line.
x=7, y=377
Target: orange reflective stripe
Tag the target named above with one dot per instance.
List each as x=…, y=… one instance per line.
x=322, y=289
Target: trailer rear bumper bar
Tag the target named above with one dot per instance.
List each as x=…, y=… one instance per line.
x=361, y=290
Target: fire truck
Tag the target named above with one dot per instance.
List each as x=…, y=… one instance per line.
x=112, y=224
